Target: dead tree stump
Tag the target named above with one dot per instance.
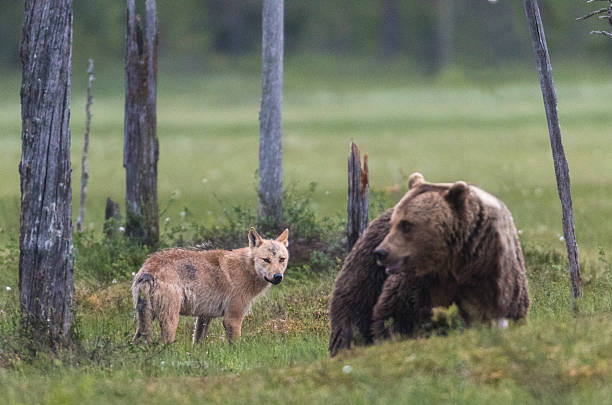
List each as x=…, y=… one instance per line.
x=46, y=265
x=112, y=218
x=358, y=195
x=141, y=147
x=540, y=49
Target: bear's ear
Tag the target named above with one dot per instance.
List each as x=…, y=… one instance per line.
x=255, y=240
x=457, y=193
x=415, y=179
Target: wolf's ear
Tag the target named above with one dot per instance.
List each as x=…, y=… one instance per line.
x=457, y=193
x=255, y=240
x=284, y=238
x=415, y=179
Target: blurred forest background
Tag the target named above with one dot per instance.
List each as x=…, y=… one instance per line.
x=432, y=34
x=446, y=87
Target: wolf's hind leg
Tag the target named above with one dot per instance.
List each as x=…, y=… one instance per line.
x=141, y=292
x=169, y=316
x=201, y=328
x=168, y=328
x=143, y=329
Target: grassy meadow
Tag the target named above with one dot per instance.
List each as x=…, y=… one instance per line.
x=486, y=128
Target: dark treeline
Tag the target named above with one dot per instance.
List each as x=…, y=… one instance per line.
x=433, y=33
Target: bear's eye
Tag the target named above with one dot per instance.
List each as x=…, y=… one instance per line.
x=266, y=260
x=405, y=226
x=281, y=259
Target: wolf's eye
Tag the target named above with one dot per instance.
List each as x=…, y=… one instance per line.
x=266, y=260
x=281, y=259
x=405, y=226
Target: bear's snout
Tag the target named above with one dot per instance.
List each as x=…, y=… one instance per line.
x=381, y=256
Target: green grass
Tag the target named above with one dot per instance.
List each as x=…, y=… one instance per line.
x=562, y=354
x=492, y=133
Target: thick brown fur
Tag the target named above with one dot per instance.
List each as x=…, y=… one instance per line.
x=443, y=244
x=357, y=287
x=466, y=239
x=206, y=284
x=406, y=301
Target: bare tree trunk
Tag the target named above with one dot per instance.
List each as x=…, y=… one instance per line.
x=446, y=34
x=84, y=172
x=270, y=138
x=540, y=49
x=141, y=147
x=46, y=263
x=391, y=26
x=358, y=196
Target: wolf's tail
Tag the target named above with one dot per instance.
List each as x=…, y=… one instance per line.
x=141, y=294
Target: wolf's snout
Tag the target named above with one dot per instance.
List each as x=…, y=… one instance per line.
x=381, y=256
x=277, y=278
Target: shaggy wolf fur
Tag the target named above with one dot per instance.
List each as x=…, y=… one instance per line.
x=441, y=244
x=206, y=284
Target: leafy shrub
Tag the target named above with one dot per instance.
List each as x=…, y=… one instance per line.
x=314, y=241
x=106, y=258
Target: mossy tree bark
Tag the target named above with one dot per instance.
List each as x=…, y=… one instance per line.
x=46, y=265
x=270, y=134
x=141, y=147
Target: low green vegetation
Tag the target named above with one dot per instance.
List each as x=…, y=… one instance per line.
x=562, y=354
x=491, y=133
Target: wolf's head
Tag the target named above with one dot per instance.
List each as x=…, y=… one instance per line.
x=269, y=255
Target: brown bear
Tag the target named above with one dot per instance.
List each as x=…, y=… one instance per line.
x=443, y=244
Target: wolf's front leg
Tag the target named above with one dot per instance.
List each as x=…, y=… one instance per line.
x=201, y=328
x=232, y=321
x=233, y=328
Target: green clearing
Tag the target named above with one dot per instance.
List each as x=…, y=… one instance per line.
x=491, y=133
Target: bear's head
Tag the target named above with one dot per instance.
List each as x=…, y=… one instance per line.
x=422, y=228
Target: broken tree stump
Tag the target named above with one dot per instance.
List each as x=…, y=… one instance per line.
x=112, y=218
x=358, y=195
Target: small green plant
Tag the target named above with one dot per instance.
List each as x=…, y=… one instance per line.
x=104, y=258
